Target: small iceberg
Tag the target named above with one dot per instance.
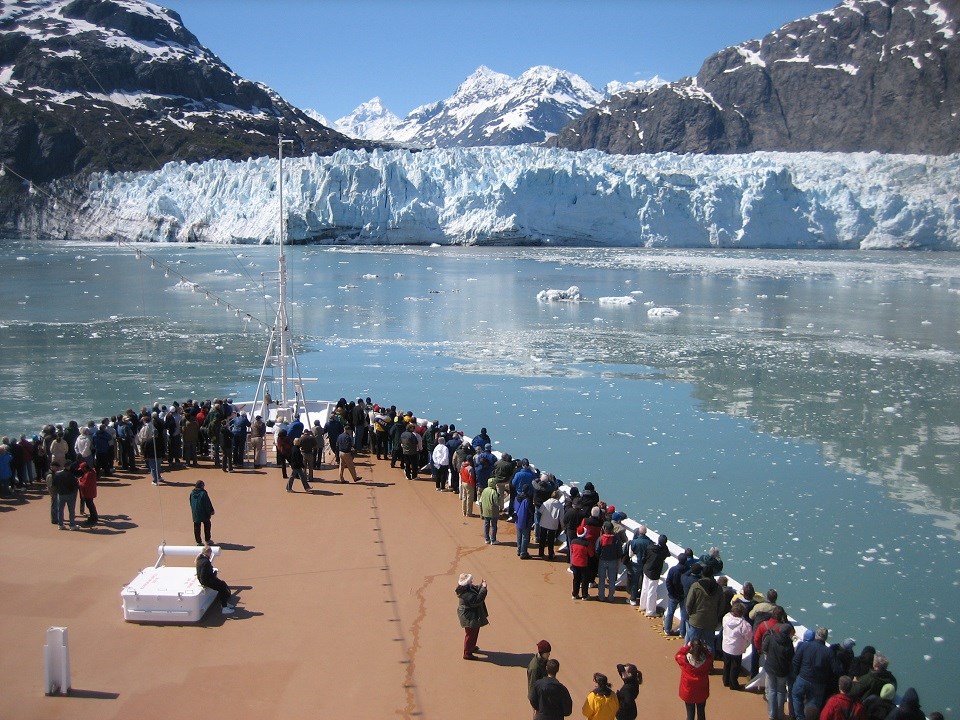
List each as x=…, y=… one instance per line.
x=625, y=300
x=571, y=294
x=662, y=312
x=370, y=276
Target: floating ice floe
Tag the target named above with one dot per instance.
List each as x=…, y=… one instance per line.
x=370, y=276
x=571, y=294
x=662, y=312
x=738, y=310
x=185, y=285
x=21, y=257
x=625, y=300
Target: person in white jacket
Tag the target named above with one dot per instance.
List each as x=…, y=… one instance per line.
x=441, y=463
x=737, y=636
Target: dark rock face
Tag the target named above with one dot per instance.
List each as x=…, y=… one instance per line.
x=77, y=78
x=868, y=75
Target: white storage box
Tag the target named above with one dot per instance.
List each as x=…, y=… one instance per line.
x=168, y=594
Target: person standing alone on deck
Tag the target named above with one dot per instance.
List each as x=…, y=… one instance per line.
x=202, y=510
x=472, y=612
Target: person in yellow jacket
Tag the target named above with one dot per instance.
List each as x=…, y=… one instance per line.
x=602, y=702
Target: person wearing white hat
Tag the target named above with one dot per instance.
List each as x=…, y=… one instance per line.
x=472, y=612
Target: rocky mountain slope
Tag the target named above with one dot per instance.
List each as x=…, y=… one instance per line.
x=867, y=75
x=78, y=76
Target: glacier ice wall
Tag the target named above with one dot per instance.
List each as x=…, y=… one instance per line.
x=522, y=195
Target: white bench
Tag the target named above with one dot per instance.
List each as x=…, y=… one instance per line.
x=168, y=594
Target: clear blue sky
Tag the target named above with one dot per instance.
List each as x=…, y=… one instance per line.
x=332, y=55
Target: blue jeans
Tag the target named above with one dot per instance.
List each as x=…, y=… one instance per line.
x=805, y=692
x=683, y=619
x=695, y=633
x=154, y=466
x=69, y=501
x=523, y=541
x=668, y=615
x=607, y=575
x=634, y=575
x=776, y=695
x=490, y=529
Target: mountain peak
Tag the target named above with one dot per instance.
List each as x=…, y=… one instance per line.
x=369, y=120
x=490, y=108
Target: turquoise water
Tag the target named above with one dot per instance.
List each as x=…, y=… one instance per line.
x=802, y=411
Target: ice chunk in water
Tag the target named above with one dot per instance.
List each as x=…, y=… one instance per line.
x=662, y=312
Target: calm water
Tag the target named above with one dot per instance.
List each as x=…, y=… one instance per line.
x=802, y=411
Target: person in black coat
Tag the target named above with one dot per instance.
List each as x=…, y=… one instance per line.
x=550, y=697
x=207, y=577
x=627, y=695
x=226, y=447
x=909, y=708
x=778, y=652
x=877, y=707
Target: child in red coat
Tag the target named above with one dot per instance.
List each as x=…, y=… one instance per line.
x=695, y=661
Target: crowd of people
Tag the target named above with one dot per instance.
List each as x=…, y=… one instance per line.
x=807, y=680
x=812, y=679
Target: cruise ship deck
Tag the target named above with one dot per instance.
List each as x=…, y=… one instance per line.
x=346, y=608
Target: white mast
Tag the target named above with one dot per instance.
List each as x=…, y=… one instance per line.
x=283, y=326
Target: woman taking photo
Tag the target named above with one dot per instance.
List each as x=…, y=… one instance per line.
x=695, y=661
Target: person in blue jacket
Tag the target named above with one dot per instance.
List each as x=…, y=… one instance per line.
x=523, y=511
x=675, y=592
x=814, y=667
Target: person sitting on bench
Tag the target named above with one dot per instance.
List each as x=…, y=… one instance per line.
x=208, y=578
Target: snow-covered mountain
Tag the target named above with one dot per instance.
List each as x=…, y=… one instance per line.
x=76, y=75
x=527, y=194
x=539, y=99
x=369, y=121
x=489, y=108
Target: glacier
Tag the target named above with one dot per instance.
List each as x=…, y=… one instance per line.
x=530, y=195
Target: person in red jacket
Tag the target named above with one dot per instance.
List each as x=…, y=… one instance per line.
x=87, y=480
x=841, y=706
x=695, y=661
x=581, y=550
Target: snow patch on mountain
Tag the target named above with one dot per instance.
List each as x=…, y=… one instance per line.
x=534, y=195
x=615, y=87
